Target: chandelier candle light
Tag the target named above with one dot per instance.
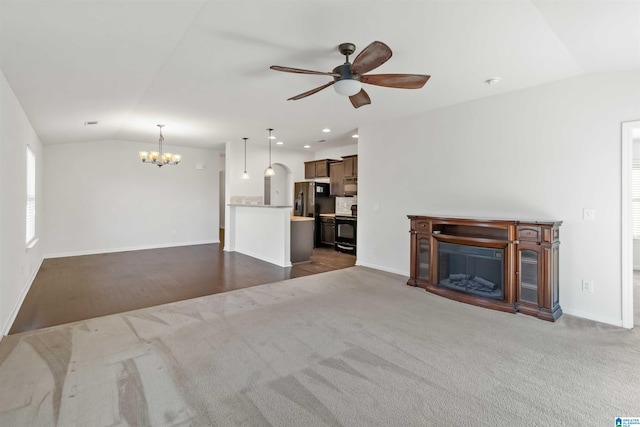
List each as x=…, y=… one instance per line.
x=245, y=174
x=158, y=157
x=269, y=171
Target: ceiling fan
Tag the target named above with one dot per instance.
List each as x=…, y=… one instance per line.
x=348, y=77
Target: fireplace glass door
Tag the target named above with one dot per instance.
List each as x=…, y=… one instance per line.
x=528, y=269
x=423, y=257
x=471, y=269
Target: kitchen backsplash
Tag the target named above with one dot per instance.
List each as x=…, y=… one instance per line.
x=246, y=200
x=343, y=205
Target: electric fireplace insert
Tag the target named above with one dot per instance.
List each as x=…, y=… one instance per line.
x=471, y=269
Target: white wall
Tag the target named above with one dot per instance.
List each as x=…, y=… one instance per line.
x=545, y=152
x=99, y=197
x=636, y=242
x=337, y=152
x=18, y=265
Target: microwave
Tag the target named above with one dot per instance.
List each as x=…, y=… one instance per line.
x=350, y=186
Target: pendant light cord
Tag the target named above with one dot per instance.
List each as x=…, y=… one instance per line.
x=270, y=147
x=245, y=154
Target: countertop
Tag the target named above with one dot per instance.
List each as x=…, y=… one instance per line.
x=301, y=218
x=258, y=206
x=333, y=215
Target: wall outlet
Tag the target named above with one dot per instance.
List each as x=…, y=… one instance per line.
x=587, y=286
x=588, y=214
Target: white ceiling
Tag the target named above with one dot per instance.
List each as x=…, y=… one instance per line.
x=202, y=67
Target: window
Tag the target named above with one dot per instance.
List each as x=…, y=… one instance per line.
x=635, y=199
x=31, y=196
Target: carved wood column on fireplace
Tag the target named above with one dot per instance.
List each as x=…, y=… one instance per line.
x=506, y=265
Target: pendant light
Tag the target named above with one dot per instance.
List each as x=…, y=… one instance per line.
x=245, y=174
x=269, y=171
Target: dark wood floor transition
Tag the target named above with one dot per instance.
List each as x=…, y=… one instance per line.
x=82, y=287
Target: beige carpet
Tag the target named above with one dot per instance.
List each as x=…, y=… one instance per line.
x=353, y=347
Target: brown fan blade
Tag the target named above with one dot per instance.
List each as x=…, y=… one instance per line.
x=301, y=71
x=311, y=92
x=373, y=56
x=359, y=99
x=401, y=81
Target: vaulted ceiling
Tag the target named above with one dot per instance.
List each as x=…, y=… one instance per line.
x=202, y=67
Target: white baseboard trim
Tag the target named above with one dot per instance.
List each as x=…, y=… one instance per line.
x=128, y=249
x=16, y=308
x=379, y=267
x=277, y=262
x=596, y=318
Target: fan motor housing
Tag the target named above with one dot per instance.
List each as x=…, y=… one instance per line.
x=345, y=73
x=347, y=48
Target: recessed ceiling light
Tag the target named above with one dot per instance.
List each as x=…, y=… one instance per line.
x=493, y=81
x=326, y=130
x=279, y=143
x=272, y=137
x=307, y=146
x=91, y=122
x=354, y=135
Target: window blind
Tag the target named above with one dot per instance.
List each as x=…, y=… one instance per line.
x=31, y=196
x=635, y=199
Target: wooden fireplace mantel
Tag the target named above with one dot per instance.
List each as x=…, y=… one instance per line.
x=531, y=257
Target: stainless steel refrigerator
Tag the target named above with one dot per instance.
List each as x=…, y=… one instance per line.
x=311, y=199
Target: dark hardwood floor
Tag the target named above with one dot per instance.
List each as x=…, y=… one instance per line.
x=82, y=287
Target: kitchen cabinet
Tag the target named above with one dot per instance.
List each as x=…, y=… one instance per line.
x=301, y=238
x=336, y=179
x=309, y=170
x=350, y=166
x=327, y=231
x=317, y=168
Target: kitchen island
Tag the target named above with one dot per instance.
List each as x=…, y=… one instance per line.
x=269, y=233
x=301, y=238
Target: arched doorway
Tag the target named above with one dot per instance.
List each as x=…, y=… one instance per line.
x=278, y=189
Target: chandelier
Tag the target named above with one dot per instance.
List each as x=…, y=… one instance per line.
x=158, y=157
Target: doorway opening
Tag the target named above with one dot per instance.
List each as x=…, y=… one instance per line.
x=630, y=134
x=278, y=189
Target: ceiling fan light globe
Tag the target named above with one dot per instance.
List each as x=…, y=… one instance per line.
x=347, y=87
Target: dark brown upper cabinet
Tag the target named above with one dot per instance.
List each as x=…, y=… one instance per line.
x=317, y=168
x=350, y=166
